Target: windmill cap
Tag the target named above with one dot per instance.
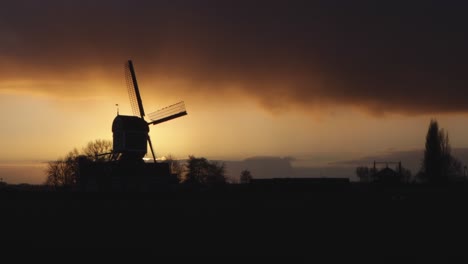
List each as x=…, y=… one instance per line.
x=129, y=123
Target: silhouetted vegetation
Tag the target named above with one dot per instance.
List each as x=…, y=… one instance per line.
x=245, y=177
x=439, y=166
x=98, y=150
x=63, y=172
x=176, y=166
x=202, y=171
x=407, y=175
x=364, y=173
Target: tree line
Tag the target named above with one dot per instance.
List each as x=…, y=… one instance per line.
x=64, y=172
x=438, y=165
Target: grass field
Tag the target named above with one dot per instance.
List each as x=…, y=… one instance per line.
x=353, y=219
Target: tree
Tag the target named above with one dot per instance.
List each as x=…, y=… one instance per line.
x=245, y=176
x=406, y=174
x=451, y=167
x=63, y=172
x=94, y=150
x=432, y=163
x=202, y=171
x=438, y=164
x=363, y=174
x=175, y=166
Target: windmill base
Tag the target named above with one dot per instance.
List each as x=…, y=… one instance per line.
x=125, y=176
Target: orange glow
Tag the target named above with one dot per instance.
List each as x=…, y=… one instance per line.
x=47, y=122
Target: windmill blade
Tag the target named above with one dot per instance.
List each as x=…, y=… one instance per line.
x=133, y=91
x=151, y=147
x=168, y=113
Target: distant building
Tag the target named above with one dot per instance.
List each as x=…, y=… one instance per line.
x=388, y=176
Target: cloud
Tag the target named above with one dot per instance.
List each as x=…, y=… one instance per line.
x=260, y=167
x=383, y=58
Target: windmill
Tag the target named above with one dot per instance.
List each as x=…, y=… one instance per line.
x=131, y=133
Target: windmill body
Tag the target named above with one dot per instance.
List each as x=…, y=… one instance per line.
x=130, y=134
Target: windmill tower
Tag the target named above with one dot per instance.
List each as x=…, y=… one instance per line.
x=131, y=133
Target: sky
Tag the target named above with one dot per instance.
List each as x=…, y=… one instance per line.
x=320, y=82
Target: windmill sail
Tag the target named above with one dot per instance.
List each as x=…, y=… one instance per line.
x=133, y=91
x=160, y=116
x=168, y=113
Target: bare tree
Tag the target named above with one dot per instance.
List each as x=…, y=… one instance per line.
x=406, y=175
x=245, y=177
x=63, y=172
x=364, y=174
x=94, y=150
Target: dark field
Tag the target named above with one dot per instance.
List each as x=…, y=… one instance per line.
x=236, y=220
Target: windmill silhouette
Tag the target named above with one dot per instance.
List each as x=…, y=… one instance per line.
x=131, y=133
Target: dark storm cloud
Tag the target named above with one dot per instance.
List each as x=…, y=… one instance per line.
x=383, y=57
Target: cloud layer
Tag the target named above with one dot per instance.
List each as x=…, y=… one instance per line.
x=383, y=58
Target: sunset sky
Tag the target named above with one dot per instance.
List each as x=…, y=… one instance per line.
x=317, y=81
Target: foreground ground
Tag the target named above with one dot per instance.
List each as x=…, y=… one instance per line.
x=356, y=220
